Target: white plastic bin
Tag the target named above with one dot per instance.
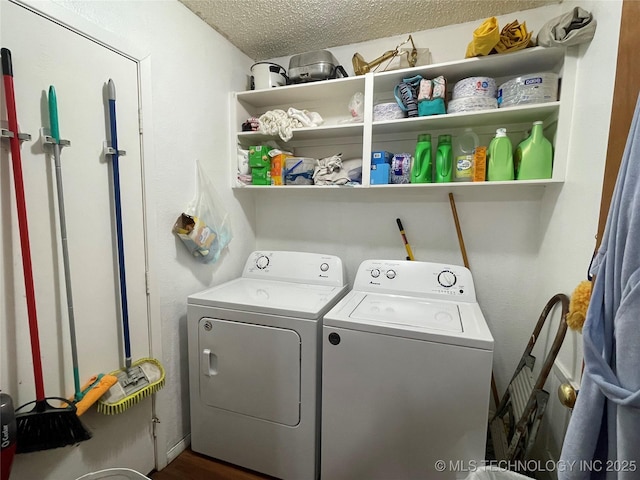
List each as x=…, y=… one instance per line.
x=494, y=473
x=114, y=474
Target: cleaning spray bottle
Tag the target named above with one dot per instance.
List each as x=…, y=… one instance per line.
x=534, y=156
x=421, y=168
x=500, y=157
x=444, y=160
x=464, y=148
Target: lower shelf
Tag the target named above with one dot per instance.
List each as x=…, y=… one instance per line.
x=414, y=187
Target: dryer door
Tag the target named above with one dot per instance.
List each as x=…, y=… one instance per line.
x=250, y=369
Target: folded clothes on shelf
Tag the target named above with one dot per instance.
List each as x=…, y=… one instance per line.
x=279, y=122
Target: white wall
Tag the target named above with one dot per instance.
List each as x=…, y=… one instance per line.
x=516, y=241
x=522, y=248
x=502, y=230
x=193, y=69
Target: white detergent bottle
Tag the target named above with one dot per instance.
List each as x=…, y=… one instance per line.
x=463, y=150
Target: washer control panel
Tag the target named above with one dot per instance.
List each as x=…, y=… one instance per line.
x=453, y=282
x=301, y=267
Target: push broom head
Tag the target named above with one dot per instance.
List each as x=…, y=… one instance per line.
x=46, y=427
x=145, y=377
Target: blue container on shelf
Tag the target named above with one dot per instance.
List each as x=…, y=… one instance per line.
x=380, y=173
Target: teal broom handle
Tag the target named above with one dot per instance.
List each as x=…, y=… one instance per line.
x=55, y=133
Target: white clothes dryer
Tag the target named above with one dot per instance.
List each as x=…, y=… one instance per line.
x=406, y=375
x=255, y=359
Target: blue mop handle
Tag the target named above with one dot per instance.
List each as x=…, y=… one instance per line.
x=119, y=234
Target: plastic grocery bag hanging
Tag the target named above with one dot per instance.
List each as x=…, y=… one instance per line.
x=204, y=226
x=571, y=28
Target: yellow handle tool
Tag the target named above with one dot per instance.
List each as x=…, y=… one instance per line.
x=404, y=239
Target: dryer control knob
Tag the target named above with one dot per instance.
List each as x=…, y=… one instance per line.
x=447, y=278
x=324, y=267
x=262, y=262
x=391, y=274
x=334, y=338
x=375, y=273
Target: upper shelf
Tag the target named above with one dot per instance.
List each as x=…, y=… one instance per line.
x=509, y=115
x=303, y=92
x=517, y=63
x=529, y=60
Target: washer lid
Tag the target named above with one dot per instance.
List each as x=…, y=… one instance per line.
x=453, y=323
x=273, y=297
x=407, y=311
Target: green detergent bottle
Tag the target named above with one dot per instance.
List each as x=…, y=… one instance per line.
x=534, y=156
x=444, y=160
x=421, y=168
x=500, y=157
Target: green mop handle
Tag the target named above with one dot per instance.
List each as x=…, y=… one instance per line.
x=55, y=133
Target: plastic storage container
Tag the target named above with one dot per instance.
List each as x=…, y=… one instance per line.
x=463, y=150
x=444, y=160
x=299, y=171
x=500, y=158
x=421, y=167
x=114, y=474
x=534, y=156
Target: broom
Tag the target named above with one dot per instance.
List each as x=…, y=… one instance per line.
x=145, y=376
x=465, y=259
x=44, y=427
x=90, y=393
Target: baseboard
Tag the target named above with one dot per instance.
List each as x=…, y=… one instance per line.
x=178, y=448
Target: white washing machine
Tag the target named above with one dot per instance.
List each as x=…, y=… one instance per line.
x=255, y=359
x=406, y=375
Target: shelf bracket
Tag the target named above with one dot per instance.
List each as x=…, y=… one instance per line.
x=5, y=133
x=109, y=150
x=47, y=140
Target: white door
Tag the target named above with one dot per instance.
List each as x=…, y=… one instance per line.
x=45, y=53
x=250, y=369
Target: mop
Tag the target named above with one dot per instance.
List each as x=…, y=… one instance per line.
x=145, y=376
x=44, y=427
x=87, y=395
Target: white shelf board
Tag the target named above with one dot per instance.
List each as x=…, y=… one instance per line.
x=529, y=60
x=307, y=133
x=509, y=115
x=412, y=187
x=468, y=185
x=305, y=92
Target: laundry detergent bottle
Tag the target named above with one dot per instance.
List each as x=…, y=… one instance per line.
x=463, y=151
x=533, y=156
x=421, y=168
x=444, y=160
x=500, y=157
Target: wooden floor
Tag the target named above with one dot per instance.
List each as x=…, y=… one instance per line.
x=193, y=466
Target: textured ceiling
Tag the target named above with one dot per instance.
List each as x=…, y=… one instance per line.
x=265, y=29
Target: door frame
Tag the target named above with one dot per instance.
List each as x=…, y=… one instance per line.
x=627, y=88
x=93, y=32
